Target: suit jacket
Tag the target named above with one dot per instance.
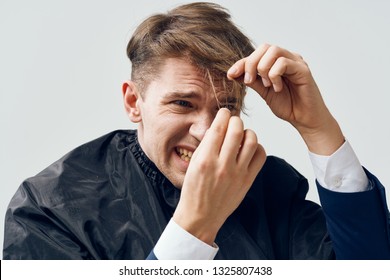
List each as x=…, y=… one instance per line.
x=107, y=200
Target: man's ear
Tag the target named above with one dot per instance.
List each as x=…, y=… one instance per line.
x=130, y=100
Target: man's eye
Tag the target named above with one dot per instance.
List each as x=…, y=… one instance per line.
x=182, y=103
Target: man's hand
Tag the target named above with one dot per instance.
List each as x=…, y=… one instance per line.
x=284, y=81
x=221, y=171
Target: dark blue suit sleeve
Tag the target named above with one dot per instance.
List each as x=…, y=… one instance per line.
x=151, y=256
x=358, y=223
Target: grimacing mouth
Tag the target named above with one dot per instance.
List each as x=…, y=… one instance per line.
x=184, y=154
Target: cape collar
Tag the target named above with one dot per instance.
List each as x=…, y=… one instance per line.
x=164, y=187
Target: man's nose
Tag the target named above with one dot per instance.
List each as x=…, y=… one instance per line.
x=200, y=124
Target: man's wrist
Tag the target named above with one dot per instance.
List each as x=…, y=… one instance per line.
x=324, y=141
x=177, y=244
x=340, y=171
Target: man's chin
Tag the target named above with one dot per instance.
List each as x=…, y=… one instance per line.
x=174, y=171
x=178, y=181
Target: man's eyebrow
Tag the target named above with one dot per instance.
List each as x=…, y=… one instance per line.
x=182, y=94
x=221, y=99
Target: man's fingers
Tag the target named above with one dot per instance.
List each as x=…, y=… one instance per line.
x=236, y=70
x=233, y=139
x=252, y=156
x=265, y=67
x=257, y=161
x=268, y=59
x=252, y=63
x=248, y=148
x=215, y=135
x=296, y=71
x=276, y=72
x=246, y=67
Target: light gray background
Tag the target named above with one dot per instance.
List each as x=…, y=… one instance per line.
x=62, y=64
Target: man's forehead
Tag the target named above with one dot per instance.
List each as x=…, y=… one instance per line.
x=183, y=68
x=183, y=78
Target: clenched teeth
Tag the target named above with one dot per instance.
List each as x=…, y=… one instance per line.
x=184, y=154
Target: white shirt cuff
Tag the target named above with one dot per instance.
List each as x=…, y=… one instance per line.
x=177, y=244
x=340, y=171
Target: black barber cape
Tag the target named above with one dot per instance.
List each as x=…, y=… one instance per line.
x=107, y=200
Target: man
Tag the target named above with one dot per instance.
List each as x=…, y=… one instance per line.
x=191, y=182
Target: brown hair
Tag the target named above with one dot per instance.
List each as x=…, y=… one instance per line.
x=202, y=33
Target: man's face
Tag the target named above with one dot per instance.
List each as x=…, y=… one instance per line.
x=176, y=109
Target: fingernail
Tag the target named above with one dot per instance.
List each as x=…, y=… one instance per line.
x=277, y=87
x=266, y=82
x=232, y=71
x=247, y=78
